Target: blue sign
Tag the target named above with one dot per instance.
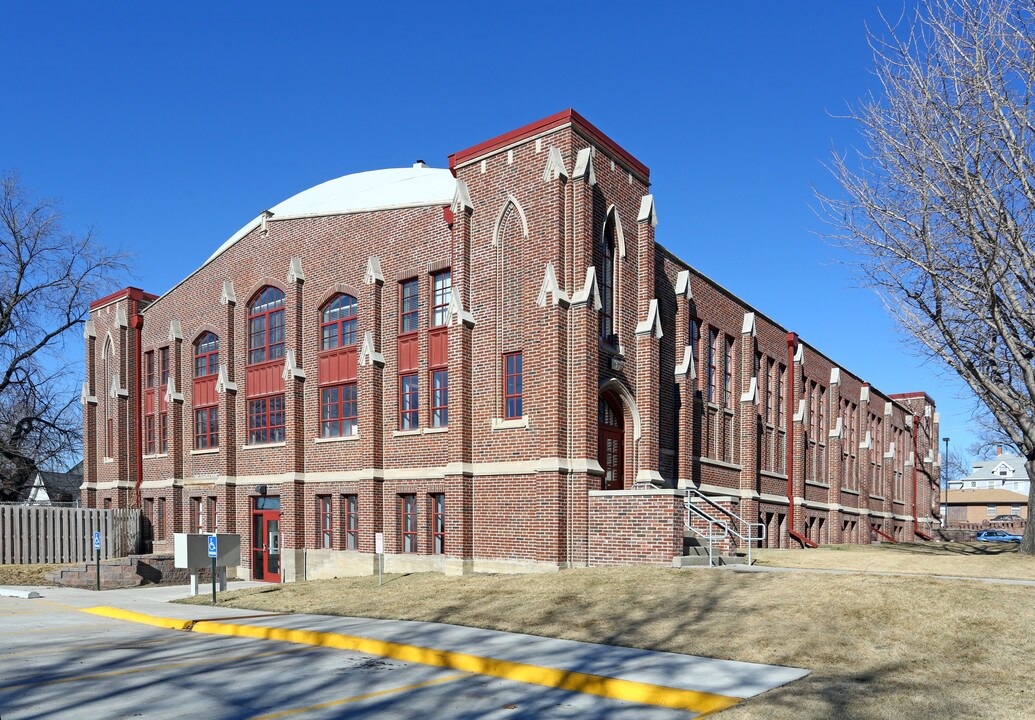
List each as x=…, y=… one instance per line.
x=212, y=546
x=97, y=540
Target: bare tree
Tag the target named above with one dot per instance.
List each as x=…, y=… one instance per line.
x=939, y=202
x=47, y=279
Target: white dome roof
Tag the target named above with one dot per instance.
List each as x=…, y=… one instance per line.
x=360, y=192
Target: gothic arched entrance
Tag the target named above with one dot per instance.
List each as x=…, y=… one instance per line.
x=611, y=434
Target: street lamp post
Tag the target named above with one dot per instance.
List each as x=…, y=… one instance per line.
x=945, y=472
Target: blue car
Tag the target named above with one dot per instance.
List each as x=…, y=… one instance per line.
x=997, y=536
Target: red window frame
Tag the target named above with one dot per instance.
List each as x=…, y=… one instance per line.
x=339, y=410
x=350, y=521
x=438, y=523
x=206, y=355
x=409, y=402
x=159, y=523
x=440, y=398
x=409, y=294
x=266, y=326
x=408, y=522
x=210, y=514
x=325, y=521
x=206, y=428
x=197, y=515
x=163, y=366
x=338, y=322
x=513, y=386
x=441, y=296
x=163, y=432
x=149, y=369
x=266, y=420
x=728, y=381
x=149, y=434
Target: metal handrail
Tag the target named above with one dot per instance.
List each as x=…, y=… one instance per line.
x=711, y=537
x=749, y=538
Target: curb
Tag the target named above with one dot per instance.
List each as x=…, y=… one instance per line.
x=23, y=594
x=613, y=688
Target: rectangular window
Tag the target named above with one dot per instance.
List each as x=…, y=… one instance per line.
x=695, y=340
x=712, y=339
x=109, y=439
x=339, y=416
x=159, y=524
x=1015, y=509
x=990, y=509
x=325, y=521
x=408, y=307
x=409, y=402
x=408, y=522
x=149, y=434
x=728, y=380
x=266, y=420
x=439, y=398
x=350, y=522
x=206, y=428
x=438, y=524
x=163, y=432
x=197, y=515
x=781, y=384
x=149, y=513
x=210, y=514
x=441, y=295
x=163, y=357
x=149, y=369
x=513, y=386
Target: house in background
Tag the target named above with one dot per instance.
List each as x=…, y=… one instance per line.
x=53, y=488
x=995, y=487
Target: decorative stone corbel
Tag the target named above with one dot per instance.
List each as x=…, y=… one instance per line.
x=461, y=198
x=223, y=383
x=890, y=454
x=175, y=331
x=554, y=166
x=751, y=396
x=802, y=415
x=228, y=297
x=89, y=330
x=864, y=394
x=748, y=327
x=686, y=367
x=264, y=217
x=589, y=294
x=867, y=442
x=584, y=166
x=117, y=390
x=558, y=297
x=170, y=391
x=937, y=418
x=909, y=422
x=887, y=407
x=457, y=312
x=683, y=285
x=86, y=397
x=799, y=354
x=652, y=324
x=927, y=411
x=367, y=353
x=909, y=460
x=647, y=211
x=929, y=457
x=838, y=430
x=835, y=376
x=373, y=274
x=120, y=317
x=295, y=274
x=291, y=369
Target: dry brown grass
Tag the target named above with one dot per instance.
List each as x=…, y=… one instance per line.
x=971, y=559
x=26, y=574
x=878, y=647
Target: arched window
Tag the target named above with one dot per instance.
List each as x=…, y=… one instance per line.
x=607, y=284
x=206, y=355
x=266, y=326
x=338, y=322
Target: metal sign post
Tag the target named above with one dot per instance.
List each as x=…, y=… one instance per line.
x=97, y=554
x=379, y=548
x=212, y=553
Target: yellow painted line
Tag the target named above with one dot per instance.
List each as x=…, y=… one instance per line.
x=151, y=668
x=357, y=698
x=614, y=688
x=129, y=615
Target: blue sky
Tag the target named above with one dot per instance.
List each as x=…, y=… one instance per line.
x=167, y=127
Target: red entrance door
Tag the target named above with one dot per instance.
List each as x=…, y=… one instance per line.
x=611, y=454
x=266, y=539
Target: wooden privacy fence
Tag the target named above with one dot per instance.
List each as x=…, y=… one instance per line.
x=35, y=534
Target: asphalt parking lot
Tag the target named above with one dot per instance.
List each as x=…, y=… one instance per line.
x=56, y=662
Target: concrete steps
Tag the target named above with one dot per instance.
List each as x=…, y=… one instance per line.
x=695, y=554
x=124, y=572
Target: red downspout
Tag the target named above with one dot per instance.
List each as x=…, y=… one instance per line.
x=792, y=345
x=916, y=462
x=137, y=323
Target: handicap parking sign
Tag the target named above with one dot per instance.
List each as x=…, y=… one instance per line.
x=212, y=546
x=96, y=540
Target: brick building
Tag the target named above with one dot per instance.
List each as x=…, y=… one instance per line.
x=497, y=367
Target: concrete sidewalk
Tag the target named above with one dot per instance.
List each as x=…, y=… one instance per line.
x=610, y=671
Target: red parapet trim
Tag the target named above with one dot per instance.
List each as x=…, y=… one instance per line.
x=540, y=126
x=884, y=535
x=132, y=293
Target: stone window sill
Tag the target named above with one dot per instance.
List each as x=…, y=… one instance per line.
x=343, y=438
x=266, y=445
x=406, y=433
x=511, y=424
x=205, y=451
